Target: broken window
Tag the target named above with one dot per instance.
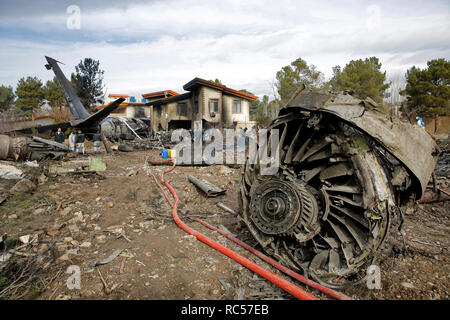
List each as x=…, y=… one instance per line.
x=139, y=112
x=213, y=106
x=237, y=106
x=182, y=109
x=158, y=111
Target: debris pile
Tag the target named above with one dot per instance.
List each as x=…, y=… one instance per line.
x=23, y=148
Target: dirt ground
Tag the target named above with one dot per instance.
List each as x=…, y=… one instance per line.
x=80, y=217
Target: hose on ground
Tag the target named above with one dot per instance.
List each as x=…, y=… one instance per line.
x=275, y=279
x=293, y=274
x=280, y=282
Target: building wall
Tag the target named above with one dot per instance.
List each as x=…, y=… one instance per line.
x=223, y=118
x=197, y=94
x=154, y=118
x=207, y=94
x=171, y=110
x=250, y=125
x=118, y=114
x=229, y=117
x=130, y=112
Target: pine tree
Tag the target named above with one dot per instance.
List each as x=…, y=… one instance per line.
x=290, y=77
x=88, y=82
x=29, y=93
x=427, y=91
x=54, y=94
x=6, y=98
x=363, y=77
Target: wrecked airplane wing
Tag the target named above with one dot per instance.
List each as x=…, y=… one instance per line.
x=345, y=170
x=94, y=120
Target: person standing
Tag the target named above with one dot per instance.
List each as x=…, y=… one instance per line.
x=97, y=142
x=72, y=140
x=79, y=140
x=420, y=122
x=59, y=136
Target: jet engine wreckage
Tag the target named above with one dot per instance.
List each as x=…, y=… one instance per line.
x=346, y=172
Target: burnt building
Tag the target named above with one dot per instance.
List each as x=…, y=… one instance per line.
x=216, y=105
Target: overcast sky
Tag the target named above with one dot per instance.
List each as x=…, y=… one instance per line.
x=146, y=46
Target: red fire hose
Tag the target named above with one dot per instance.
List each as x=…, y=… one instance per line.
x=295, y=275
x=289, y=272
x=277, y=280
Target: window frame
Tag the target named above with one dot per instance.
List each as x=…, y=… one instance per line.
x=210, y=101
x=179, y=113
x=240, y=107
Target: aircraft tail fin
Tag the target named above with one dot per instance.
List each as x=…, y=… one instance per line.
x=75, y=105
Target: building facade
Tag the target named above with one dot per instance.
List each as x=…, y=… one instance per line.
x=216, y=105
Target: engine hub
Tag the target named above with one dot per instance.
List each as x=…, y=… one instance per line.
x=279, y=207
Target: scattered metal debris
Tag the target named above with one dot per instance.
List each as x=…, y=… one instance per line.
x=92, y=165
x=207, y=187
x=224, y=207
x=8, y=171
x=107, y=260
x=23, y=148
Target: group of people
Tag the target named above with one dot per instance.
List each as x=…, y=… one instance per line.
x=76, y=141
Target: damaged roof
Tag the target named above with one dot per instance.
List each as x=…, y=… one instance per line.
x=160, y=94
x=178, y=97
x=118, y=95
x=196, y=82
x=168, y=96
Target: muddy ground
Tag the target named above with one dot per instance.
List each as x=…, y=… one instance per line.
x=78, y=220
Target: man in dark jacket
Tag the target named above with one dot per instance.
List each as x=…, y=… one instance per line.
x=59, y=136
x=79, y=142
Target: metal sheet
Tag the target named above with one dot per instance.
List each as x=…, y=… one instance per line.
x=206, y=186
x=410, y=144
